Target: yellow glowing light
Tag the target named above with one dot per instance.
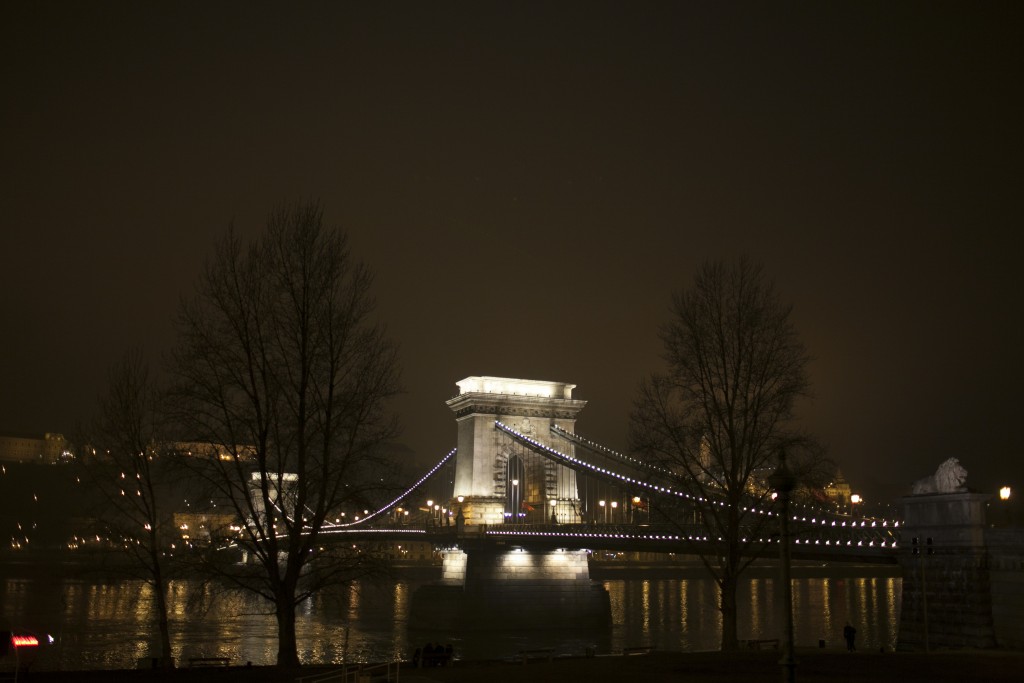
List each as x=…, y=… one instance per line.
x=1004, y=493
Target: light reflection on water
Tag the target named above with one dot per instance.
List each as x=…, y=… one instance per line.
x=105, y=624
x=687, y=616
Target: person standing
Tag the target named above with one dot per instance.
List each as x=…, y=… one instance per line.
x=849, y=633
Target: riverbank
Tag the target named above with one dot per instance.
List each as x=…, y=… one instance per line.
x=744, y=667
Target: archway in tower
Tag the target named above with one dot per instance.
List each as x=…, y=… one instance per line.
x=515, y=489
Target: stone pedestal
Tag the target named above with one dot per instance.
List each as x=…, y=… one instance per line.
x=947, y=599
x=498, y=589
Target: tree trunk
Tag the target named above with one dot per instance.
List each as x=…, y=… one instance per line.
x=287, y=647
x=728, y=608
x=166, y=657
x=160, y=597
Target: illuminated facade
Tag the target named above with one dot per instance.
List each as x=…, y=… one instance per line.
x=838, y=491
x=47, y=450
x=488, y=473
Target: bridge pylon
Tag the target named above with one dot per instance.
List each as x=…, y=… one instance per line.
x=489, y=583
x=495, y=484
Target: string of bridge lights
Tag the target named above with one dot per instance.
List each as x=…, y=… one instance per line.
x=594, y=446
x=400, y=498
x=340, y=527
x=390, y=532
x=544, y=449
x=593, y=535
x=551, y=452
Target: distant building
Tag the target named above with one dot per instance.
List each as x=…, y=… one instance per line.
x=52, y=448
x=204, y=527
x=838, y=491
x=204, y=449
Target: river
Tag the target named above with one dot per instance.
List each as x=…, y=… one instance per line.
x=104, y=624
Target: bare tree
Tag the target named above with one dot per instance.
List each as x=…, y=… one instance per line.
x=282, y=373
x=129, y=479
x=721, y=412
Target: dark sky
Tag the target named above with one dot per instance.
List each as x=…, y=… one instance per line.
x=530, y=183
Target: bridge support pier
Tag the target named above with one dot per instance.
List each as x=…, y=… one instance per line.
x=497, y=587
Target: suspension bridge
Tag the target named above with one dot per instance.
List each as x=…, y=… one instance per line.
x=522, y=477
x=522, y=500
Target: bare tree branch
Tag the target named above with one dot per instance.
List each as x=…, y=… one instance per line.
x=282, y=370
x=722, y=409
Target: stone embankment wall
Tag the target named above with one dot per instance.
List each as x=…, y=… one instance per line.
x=947, y=598
x=963, y=579
x=1006, y=577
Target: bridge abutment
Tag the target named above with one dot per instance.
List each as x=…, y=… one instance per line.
x=947, y=594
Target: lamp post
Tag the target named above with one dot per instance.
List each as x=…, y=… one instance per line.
x=553, y=503
x=783, y=481
x=430, y=512
x=604, y=511
x=615, y=505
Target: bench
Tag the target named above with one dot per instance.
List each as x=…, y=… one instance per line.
x=762, y=644
x=209, y=661
x=544, y=653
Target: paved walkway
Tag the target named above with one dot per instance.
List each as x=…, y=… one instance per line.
x=814, y=666
x=744, y=667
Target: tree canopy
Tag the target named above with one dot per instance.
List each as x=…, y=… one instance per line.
x=285, y=377
x=722, y=409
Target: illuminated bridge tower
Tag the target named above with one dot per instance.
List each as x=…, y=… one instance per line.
x=495, y=582
x=496, y=483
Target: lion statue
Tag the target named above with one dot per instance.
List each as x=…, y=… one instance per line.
x=949, y=478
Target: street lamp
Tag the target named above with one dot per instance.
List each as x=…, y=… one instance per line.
x=615, y=505
x=460, y=519
x=604, y=511
x=1004, y=496
x=553, y=503
x=783, y=481
x=430, y=513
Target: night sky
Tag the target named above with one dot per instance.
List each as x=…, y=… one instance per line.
x=530, y=182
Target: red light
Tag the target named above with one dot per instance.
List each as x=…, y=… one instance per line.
x=24, y=641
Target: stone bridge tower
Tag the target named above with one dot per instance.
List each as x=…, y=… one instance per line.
x=494, y=482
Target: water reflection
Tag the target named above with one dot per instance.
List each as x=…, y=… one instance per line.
x=691, y=620
x=107, y=624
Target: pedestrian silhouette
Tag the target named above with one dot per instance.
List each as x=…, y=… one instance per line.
x=849, y=633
